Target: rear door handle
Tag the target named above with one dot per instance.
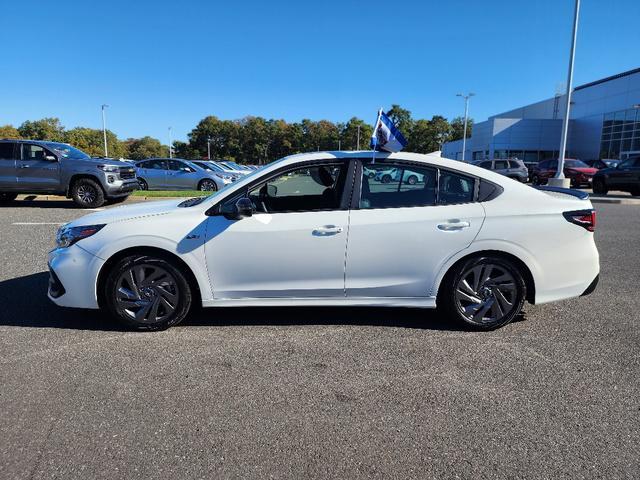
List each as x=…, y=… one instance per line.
x=327, y=230
x=453, y=225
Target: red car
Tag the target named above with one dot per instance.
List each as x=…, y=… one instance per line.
x=579, y=172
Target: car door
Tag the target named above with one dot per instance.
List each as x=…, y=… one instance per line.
x=154, y=172
x=293, y=245
x=38, y=169
x=8, y=175
x=180, y=176
x=622, y=176
x=401, y=235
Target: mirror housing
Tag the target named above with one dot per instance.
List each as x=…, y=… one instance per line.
x=50, y=158
x=236, y=211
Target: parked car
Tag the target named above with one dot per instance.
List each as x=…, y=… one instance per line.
x=625, y=177
x=205, y=164
x=178, y=174
x=577, y=171
x=227, y=169
x=604, y=163
x=470, y=241
x=394, y=174
x=236, y=166
x=512, y=168
x=30, y=166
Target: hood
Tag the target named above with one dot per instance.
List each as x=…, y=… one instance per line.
x=605, y=171
x=129, y=212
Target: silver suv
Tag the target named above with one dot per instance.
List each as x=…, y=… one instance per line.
x=33, y=166
x=512, y=168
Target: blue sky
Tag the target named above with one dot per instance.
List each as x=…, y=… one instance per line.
x=160, y=64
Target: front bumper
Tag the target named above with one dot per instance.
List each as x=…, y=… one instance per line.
x=72, y=277
x=120, y=188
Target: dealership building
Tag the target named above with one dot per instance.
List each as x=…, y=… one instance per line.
x=604, y=123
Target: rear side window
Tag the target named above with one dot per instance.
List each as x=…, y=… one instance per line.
x=513, y=164
x=455, y=188
x=6, y=151
x=397, y=185
x=486, y=165
x=501, y=165
x=154, y=164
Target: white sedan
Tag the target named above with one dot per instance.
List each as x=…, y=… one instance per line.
x=311, y=229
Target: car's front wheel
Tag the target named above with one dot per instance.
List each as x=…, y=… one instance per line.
x=7, y=197
x=599, y=187
x=412, y=180
x=147, y=293
x=87, y=193
x=483, y=292
x=386, y=178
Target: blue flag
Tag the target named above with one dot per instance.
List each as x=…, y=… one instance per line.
x=386, y=136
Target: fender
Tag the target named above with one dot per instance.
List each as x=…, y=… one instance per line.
x=496, y=245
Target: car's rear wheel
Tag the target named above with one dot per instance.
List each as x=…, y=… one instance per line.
x=412, y=180
x=599, y=187
x=7, y=197
x=207, y=185
x=386, y=178
x=87, y=193
x=535, y=180
x=483, y=292
x=635, y=192
x=147, y=293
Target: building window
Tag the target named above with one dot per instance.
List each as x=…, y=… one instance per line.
x=620, y=133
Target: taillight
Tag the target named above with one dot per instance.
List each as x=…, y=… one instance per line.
x=583, y=218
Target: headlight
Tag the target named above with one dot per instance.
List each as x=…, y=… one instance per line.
x=67, y=236
x=109, y=168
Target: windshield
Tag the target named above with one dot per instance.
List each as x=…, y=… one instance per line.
x=67, y=151
x=204, y=166
x=575, y=164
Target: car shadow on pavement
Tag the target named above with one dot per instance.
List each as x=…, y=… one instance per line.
x=43, y=204
x=25, y=304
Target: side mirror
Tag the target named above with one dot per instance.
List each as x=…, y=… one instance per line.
x=50, y=158
x=236, y=211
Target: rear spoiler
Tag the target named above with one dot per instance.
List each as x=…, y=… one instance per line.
x=567, y=191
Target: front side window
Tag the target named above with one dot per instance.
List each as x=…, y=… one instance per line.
x=387, y=185
x=34, y=152
x=311, y=188
x=455, y=188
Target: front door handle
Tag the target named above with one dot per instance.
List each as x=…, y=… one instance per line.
x=24, y=166
x=453, y=225
x=327, y=230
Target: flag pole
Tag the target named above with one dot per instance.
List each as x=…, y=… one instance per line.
x=375, y=128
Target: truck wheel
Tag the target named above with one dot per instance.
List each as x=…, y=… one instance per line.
x=7, y=197
x=87, y=193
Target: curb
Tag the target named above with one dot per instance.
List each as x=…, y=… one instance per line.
x=616, y=201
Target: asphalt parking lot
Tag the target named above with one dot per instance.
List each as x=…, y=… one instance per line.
x=318, y=392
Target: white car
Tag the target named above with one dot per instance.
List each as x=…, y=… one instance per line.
x=471, y=241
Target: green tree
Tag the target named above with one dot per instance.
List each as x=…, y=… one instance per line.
x=428, y=135
x=457, y=126
x=223, y=135
x=349, y=134
x=91, y=141
x=44, y=129
x=9, y=131
x=401, y=117
x=145, y=147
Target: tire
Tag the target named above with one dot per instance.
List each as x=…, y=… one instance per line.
x=483, y=305
x=87, y=193
x=535, y=180
x=599, y=187
x=147, y=293
x=635, y=192
x=386, y=178
x=412, y=180
x=207, y=185
x=7, y=197
x=143, y=184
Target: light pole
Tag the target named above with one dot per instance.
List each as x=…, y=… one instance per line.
x=104, y=130
x=208, y=148
x=466, y=119
x=170, y=146
x=559, y=180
